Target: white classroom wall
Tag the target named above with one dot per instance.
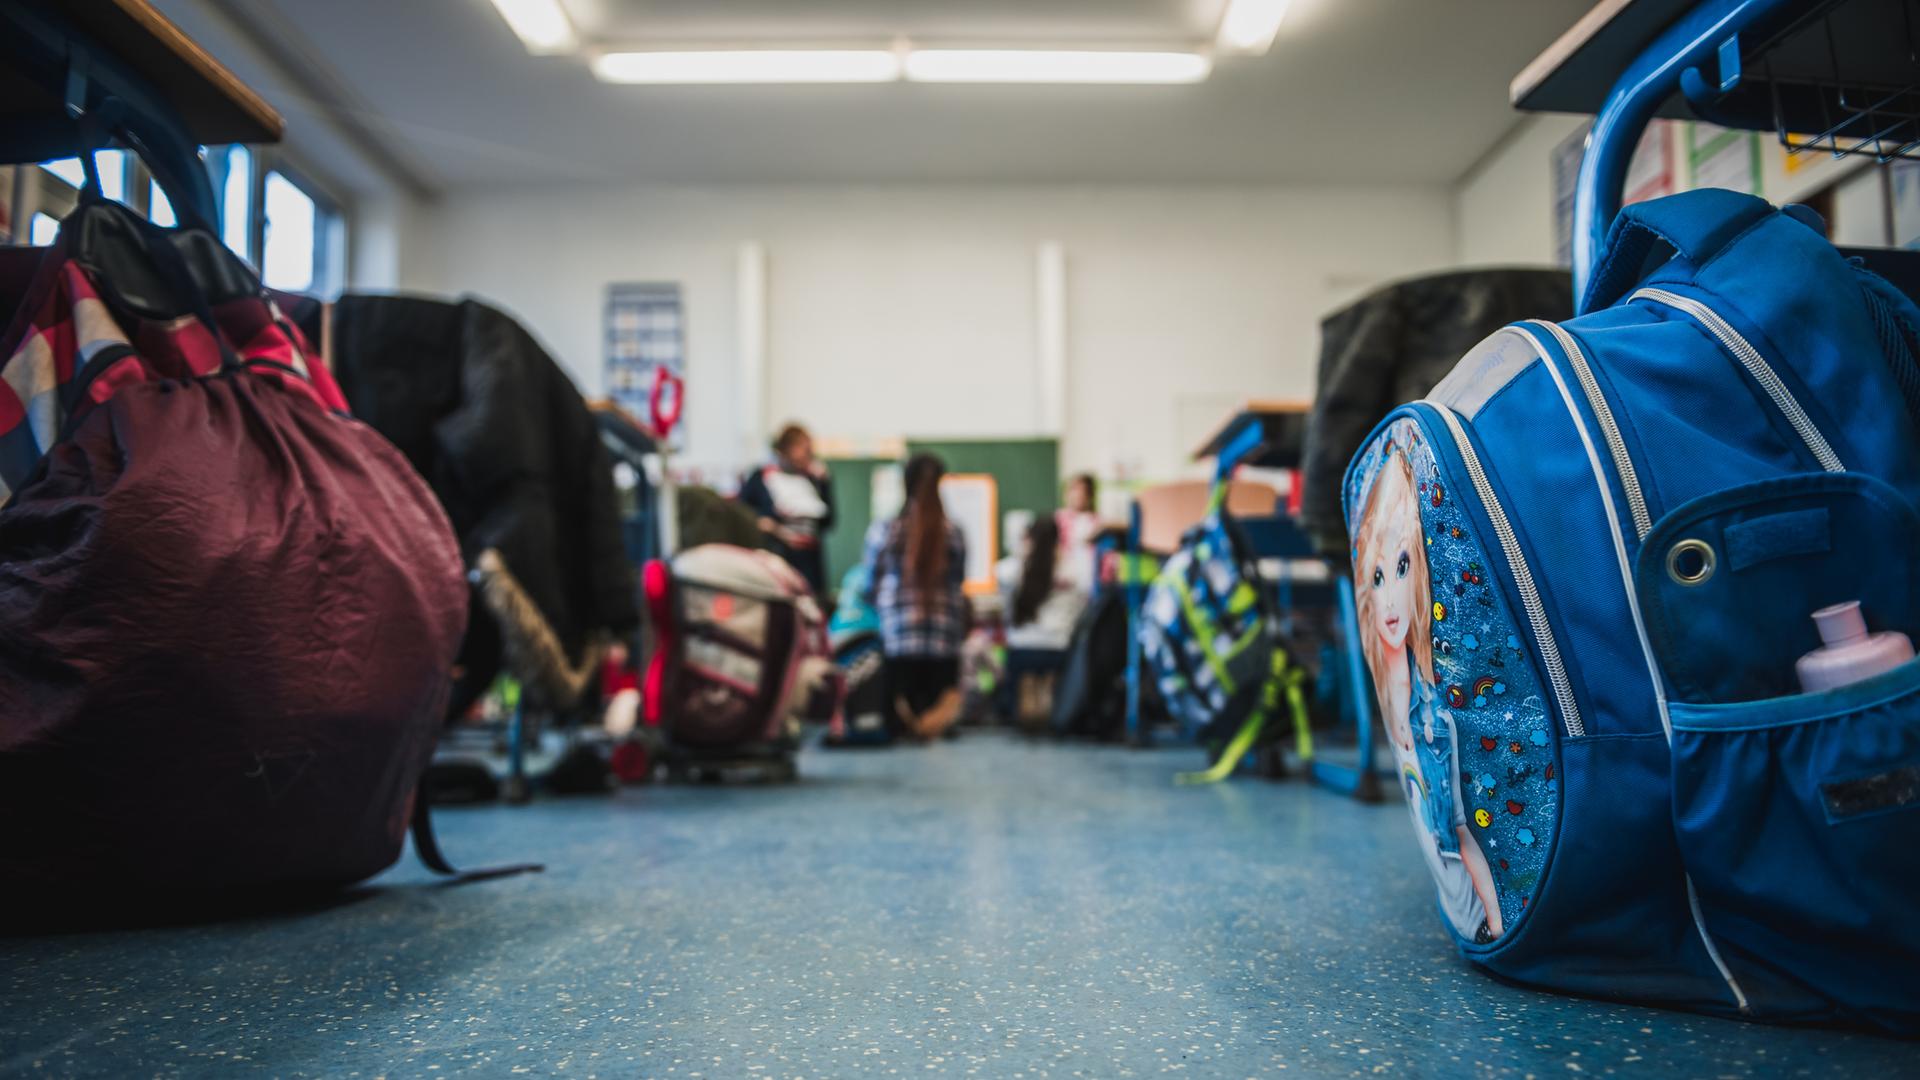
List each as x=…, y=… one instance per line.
x=912, y=310
x=1503, y=207
x=390, y=245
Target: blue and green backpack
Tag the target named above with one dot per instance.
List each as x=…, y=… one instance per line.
x=1210, y=631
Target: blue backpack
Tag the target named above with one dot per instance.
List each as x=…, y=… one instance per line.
x=854, y=633
x=1211, y=635
x=1585, y=567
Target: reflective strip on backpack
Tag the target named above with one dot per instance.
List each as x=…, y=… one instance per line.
x=1203, y=634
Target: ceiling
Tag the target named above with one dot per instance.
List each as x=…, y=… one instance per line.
x=1380, y=91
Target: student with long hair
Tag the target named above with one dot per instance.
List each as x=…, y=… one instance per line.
x=915, y=565
x=1041, y=602
x=1039, y=595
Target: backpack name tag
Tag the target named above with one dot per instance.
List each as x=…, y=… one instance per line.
x=1891, y=790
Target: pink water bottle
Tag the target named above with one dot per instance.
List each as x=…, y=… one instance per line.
x=1850, y=653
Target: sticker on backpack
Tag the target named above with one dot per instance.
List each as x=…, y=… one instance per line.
x=1463, y=705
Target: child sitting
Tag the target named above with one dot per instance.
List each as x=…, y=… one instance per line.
x=1041, y=600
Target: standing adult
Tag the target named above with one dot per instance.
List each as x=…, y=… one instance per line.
x=916, y=563
x=793, y=497
x=1078, y=525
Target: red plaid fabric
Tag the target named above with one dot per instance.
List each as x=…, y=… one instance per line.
x=65, y=326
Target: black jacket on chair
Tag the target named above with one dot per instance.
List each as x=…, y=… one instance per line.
x=1391, y=347
x=509, y=446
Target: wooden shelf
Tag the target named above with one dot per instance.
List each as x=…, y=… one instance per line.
x=1282, y=423
x=212, y=102
x=1808, y=66
x=1574, y=74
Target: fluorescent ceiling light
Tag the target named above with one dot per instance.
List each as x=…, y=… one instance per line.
x=1054, y=66
x=1249, y=25
x=541, y=25
x=750, y=66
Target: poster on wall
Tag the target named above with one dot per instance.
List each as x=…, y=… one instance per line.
x=1651, y=174
x=1719, y=158
x=1903, y=180
x=645, y=332
x=972, y=502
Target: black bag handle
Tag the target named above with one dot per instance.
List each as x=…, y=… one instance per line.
x=95, y=126
x=191, y=196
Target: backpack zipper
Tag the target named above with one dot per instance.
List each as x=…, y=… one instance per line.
x=1522, y=576
x=1550, y=651
x=1757, y=367
x=1603, y=412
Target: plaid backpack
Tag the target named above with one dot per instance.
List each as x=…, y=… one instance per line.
x=1210, y=632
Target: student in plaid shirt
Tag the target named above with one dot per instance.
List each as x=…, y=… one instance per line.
x=915, y=565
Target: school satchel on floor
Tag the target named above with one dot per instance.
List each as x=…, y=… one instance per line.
x=854, y=633
x=1585, y=567
x=227, y=611
x=740, y=654
x=1209, y=630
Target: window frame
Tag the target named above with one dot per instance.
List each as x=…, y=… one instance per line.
x=330, y=220
x=38, y=191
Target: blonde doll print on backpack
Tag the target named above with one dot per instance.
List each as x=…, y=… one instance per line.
x=1396, y=607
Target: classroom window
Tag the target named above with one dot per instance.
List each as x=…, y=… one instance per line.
x=233, y=171
x=67, y=169
x=269, y=214
x=111, y=164
x=159, y=207
x=292, y=235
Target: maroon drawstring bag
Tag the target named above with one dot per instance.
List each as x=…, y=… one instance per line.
x=228, y=611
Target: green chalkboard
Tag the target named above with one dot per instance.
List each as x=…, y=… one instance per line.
x=852, y=512
x=1027, y=472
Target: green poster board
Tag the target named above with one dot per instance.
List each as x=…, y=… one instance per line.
x=1027, y=472
x=852, y=503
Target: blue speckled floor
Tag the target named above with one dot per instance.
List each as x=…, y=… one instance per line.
x=983, y=908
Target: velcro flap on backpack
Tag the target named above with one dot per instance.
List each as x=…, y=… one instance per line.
x=1778, y=536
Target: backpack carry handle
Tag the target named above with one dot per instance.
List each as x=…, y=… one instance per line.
x=1695, y=225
